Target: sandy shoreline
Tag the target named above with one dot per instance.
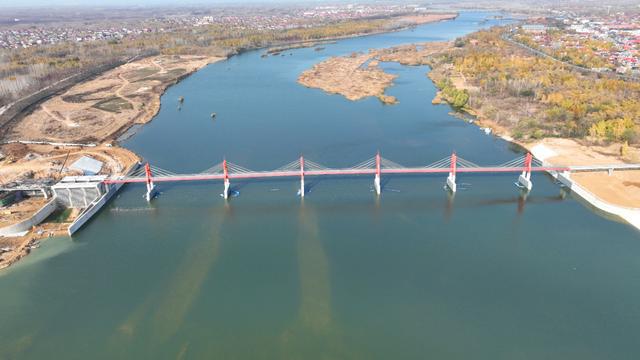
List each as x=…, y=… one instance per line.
x=617, y=194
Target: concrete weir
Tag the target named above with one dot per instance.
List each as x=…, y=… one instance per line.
x=106, y=192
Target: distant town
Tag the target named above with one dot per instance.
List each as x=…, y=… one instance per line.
x=604, y=43
x=20, y=35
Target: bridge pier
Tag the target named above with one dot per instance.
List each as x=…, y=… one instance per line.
x=451, y=179
x=227, y=184
x=150, y=185
x=525, y=178
x=376, y=180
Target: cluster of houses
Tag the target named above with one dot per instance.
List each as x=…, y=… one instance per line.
x=293, y=18
x=18, y=35
x=24, y=37
x=621, y=31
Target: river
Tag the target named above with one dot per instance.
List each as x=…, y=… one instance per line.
x=413, y=274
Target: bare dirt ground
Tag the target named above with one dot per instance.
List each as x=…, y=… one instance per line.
x=46, y=161
x=20, y=210
x=622, y=188
x=96, y=111
x=100, y=109
x=428, y=18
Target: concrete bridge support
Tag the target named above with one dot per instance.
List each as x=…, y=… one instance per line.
x=525, y=178
x=227, y=185
x=451, y=179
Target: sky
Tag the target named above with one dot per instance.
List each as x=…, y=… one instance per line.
x=27, y=3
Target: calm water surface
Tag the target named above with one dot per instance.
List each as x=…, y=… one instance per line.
x=413, y=274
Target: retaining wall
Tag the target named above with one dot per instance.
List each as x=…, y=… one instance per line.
x=35, y=219
x=630, y=215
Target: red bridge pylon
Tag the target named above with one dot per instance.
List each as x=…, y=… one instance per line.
x=525, y=178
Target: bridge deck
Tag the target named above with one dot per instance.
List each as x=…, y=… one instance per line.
x=374, y=166
x=586, y=168
x=328, y=172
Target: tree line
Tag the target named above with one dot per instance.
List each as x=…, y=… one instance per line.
x=537, y=97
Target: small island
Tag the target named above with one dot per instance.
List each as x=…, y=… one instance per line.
x=358, y=76
x=354, y=77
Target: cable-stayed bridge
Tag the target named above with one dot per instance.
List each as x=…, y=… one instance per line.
x=377, y=166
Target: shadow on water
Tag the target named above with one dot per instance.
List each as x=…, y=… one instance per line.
x=448, y=205
x=314, y=330
x=161, y=315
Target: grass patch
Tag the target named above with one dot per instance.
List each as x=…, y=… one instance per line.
x=83, y=96
x=139, y=74
x=169, y=75
x=113, y=104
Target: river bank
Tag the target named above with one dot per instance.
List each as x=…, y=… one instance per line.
x=355, y=78
x=96, y=113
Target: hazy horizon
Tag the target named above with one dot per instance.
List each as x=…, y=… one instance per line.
x=172, y=3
